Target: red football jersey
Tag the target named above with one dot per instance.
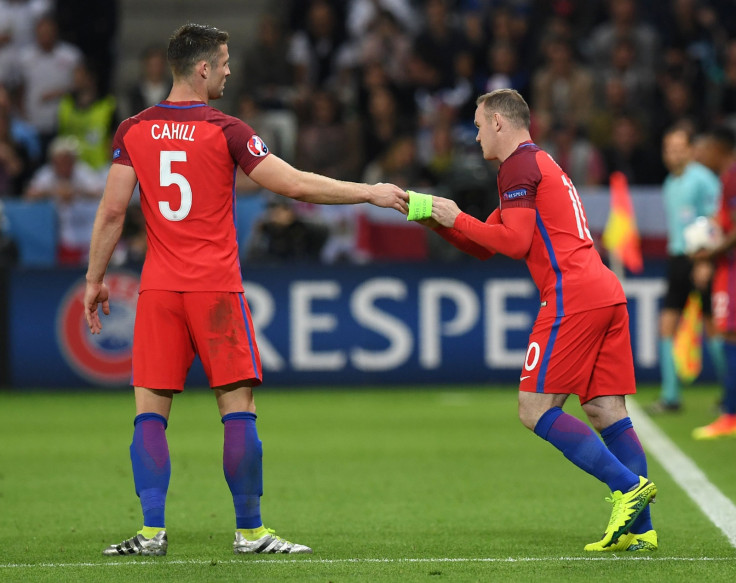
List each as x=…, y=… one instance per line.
x=724, y=215
x=185, y=155
x=724, y=279
x=562, y=260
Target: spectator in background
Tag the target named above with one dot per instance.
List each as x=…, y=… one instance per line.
x=615, y=102
x=17, y=22
x=692, y=28
x=363, y=15
x=14, y=160
x=8, y=248
x=268, y=74
x=675, y=105
x=437, y=44
x=383, y=124
x=91, y=26
x=504, y=69
x=623, y=22
x=575, y=154
x=472, y=24
x=47, y=74
x=373, y=77
x=327, y=144
x=268, y=98
x=132, y=246
x=278, y=128
x=88, y=117
x=387, y=45
x=281, y=236
x=154, y=82
x=511, y=25
x=441, y=156
x=690, y=191
x=726, y=100
x=399, y=165
x=319, y=52
x=562, y=88
x=625, y=66
x=21, y=131
x=629, y=154
x=72, y=185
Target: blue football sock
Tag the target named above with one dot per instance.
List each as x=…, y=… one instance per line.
x=729, y=384
x=670, y=382
x=149, y=454
x=242, y=461
x=580, y=444
x=717, y=355
x=622, y=441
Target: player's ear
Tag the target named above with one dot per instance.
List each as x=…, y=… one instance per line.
x=203, y=68
x=497, y=121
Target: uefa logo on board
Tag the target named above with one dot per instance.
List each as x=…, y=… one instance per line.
x=104, y=358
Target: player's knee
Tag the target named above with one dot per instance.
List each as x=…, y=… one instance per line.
x=528, y=416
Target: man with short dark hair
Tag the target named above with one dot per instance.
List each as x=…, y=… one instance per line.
x=184, y=155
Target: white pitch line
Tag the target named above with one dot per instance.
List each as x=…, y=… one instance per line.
x=719, y=509
x=147, y=562
x=714, y=504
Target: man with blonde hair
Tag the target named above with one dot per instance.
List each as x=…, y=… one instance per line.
x=580, y=341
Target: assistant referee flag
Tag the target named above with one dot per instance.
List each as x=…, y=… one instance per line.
x=621, y=237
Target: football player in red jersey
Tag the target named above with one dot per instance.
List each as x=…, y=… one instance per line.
x=580, y=341
x=184, y=155
x=717, y=151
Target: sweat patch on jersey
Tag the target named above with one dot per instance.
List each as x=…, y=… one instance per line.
x=512, y=194
x=257, y=147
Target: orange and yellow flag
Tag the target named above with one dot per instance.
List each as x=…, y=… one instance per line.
x=687, y=346
x=621, y=237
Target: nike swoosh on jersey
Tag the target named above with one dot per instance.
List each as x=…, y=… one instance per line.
x=526, y=377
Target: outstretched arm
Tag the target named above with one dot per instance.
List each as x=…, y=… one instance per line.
x=278, y=176
x=511, y=236
x=461, y=241
x=106, y=231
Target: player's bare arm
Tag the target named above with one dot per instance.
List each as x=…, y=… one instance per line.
x=108, y=226
x=278, y=176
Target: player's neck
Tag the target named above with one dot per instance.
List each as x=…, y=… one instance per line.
x=513, y=141
x=182, y=91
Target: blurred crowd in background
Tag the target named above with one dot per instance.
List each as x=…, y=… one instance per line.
x=369, y=90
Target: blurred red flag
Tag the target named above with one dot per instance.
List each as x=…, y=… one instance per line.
x=621, y=237
x=687, y=347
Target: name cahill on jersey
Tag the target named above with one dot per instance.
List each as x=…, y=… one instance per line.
x=173, y=131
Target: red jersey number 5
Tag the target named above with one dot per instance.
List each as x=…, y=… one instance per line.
x=167, y=178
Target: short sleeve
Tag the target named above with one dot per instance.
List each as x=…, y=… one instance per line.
x=246, y=148
x=518, y=179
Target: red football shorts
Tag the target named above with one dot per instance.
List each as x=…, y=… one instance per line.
x=587, y=354
x=724, y=291
x=171, y=327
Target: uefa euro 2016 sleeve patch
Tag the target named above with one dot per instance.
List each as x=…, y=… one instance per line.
x=512, y=194
x=116, y=154
x=257, y=147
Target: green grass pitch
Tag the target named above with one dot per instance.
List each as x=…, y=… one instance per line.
x=392, y=484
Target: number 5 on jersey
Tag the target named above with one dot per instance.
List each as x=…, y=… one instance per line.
x=167, y=178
